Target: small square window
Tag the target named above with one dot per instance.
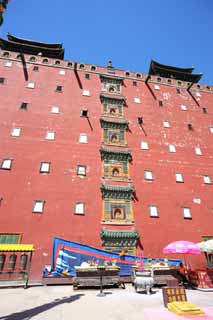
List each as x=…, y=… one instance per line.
x=148, y=175
x=87, y=76
x=160, y=103
x=144, y=145
x=86, y=93
x=35, y=68
x=31, y=85
x=83, y=138
x=179, y=177
x=38, y=206
x=55, y=109
x=62, y=72
x=2, y=80
x=24, y=105
x=8, y=64
x=79, y=208
x=183, y=107
x=166, y=124
x=50, y=135
x=211, y=129
x=137, y=100
x=134, y=83
x=59, y=89
x=6, y=164
x=153, y=211
x=187, y=213
x=198, y=151
x=81, y=170
x=156, y=87
x=205, y=110
x=178, y=91
x=190, y=126
x=45, y=167
x=16, y=132
x=206, y=179
x=84, y=113
x=172, y=148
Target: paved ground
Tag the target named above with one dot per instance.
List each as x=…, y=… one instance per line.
x=62, y=303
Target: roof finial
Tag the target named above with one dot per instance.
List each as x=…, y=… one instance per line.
x=110, y=64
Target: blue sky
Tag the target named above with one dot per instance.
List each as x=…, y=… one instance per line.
x=130, y=33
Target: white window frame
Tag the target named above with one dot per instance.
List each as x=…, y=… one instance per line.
x=50, y=135
x=55, y=109
x=16, y=132
x=83, y=138
x=80, y=208
x=179, y=177
x=156, y=87
x=172, y=148
x=148, y=175
x=144, y=145
x=8, y=64
x=81, y=170
x=211, y=129
x=62, y=72
x=198, y=94
x=6, y=164
x=38, y=206
x=86, y=93
x=207, y=180
x=187, y=213
x=45, y=167
x=153, y=211
x=31, y=85
x=166, y=124
x=198, y=151
x=137, y=100
x=183, y=107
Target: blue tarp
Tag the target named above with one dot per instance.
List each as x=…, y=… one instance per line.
x=67, y=254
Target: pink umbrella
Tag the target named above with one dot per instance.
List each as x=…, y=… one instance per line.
x=185, y=247
x=182, y=247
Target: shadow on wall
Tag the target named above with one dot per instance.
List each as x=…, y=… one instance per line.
x=28, y=314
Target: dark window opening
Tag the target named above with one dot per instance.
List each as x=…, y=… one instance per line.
x=169, y=81
x=111, y=89
x=160, y=103
x=93, y=68
x=2, y=80
x=158, y=79
x=57, y=62
x=205, y=110
x=45, y=61
x=138, y=75
x=87, y=76
x=140, y=120
x=190, y=127
x=35, y=68
x=127, y=74
x=81, y=66
x=6, y=54
x=32, y=59
x=69, y=65
x=134, y=83
x=208, y=88
x=178, y=91
x=24, y=105
x=84, y=113
x=59, y=88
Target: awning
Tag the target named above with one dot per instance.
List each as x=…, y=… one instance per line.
x=16, y=247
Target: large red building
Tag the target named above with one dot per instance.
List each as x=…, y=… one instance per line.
x=105, y=157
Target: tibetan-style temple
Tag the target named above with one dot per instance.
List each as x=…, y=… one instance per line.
x=165, y=71
x=50, y=50
x=112, y=159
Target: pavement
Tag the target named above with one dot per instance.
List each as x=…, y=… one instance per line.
x=61, y=302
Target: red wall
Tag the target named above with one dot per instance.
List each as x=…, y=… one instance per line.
x=60, y=189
